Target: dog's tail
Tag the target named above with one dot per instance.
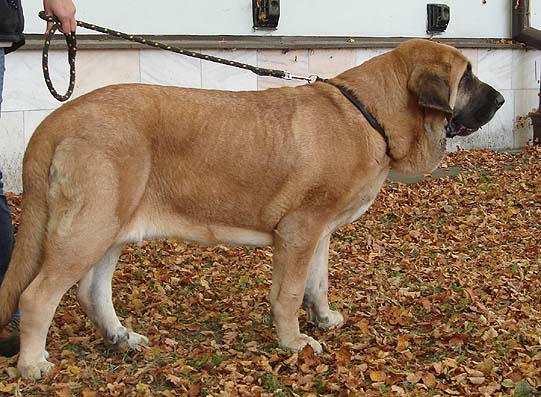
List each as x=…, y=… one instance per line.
x=25, y=262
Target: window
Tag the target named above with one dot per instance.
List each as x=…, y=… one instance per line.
x=527, y=22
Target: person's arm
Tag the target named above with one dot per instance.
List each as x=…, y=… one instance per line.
x=64, y=10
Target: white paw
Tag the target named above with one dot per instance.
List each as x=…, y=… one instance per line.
x=35, y=371
x=123, y=339
x=298, y=344
x=136, y=339
x=332, y=319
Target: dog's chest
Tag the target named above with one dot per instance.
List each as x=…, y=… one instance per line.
x=351, y=214
x=356, y=213
x=359, y=204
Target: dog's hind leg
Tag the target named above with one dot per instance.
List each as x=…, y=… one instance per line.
x=316, y=301
x=82, y=225
x=96, y=298
x=66, y=261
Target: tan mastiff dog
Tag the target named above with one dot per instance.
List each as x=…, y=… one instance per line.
x=282, y=167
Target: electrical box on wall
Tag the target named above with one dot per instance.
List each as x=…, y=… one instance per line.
x=438, y=16
x=266, y=14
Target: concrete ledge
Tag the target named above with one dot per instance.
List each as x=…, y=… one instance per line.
x=35, y=41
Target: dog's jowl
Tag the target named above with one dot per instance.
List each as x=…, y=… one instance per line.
x=134, y=161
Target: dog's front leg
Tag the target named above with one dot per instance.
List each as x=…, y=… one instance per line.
x=316, y=301
x=293, y=249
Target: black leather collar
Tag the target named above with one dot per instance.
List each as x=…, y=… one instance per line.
x=359, y=105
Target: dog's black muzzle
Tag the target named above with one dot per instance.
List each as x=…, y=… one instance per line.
x=484, y=101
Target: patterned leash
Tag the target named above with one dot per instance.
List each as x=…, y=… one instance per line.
x=72, y=50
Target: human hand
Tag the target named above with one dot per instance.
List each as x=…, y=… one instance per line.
x=64, y=10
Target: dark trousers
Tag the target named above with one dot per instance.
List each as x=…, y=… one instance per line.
x=6, y=233
x=6, y=229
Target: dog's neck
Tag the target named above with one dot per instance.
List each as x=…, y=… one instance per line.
x=385, y=92
x=366, y=113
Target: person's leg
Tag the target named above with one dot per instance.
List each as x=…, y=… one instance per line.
x=9, y=335
x=6, y=228
x=6, y=233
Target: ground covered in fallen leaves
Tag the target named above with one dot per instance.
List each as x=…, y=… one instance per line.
x=440, y=283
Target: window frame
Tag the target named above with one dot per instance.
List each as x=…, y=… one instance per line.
x=522, y=31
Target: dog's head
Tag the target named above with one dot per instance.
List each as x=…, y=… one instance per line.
x=447, y=99
x=475, y=105
x=446, y=83
x=422, y=93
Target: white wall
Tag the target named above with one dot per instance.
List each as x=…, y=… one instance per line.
x=383, y=18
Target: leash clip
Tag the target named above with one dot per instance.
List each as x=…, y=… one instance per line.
x=310, y=79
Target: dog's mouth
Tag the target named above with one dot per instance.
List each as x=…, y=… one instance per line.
x=453, y=128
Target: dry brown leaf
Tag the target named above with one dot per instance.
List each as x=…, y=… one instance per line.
x=438, y=367
x=363, y=326
x=65, y=392
x=343, y=355
x=377, y=376
x=403, y=343
x=429, y=380
x=90, y=393
x=477, y=380
x=175, y=380
x=195, y=390
x=414, y=377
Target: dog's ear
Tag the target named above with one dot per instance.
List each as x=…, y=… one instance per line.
x=432, y=88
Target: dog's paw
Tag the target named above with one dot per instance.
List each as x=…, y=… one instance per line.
x=118, y=339
x=332, y=319
x=136, y=339
x=34, y=371
x=122, y=339
x=298, y=344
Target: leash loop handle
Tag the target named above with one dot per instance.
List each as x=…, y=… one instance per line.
x=71, y=42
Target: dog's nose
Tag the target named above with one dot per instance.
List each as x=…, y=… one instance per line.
x=499, y=100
